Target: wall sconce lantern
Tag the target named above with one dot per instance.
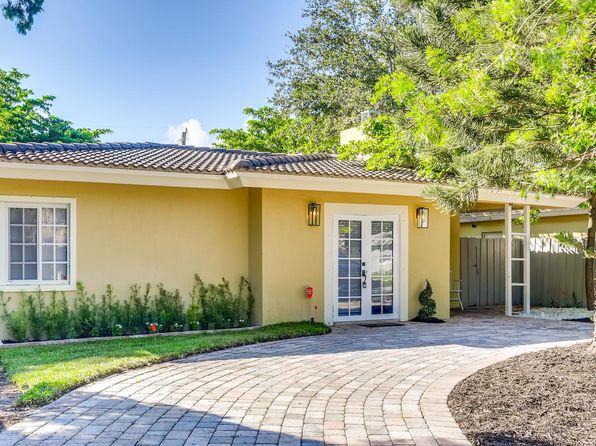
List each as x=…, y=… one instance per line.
x=314, y=214
x=422, y=218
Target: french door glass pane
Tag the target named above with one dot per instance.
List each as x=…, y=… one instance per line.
x=381, y=267
x=378, y=253
x=349, y=268
x=343, y=307
x=355, y=307
x=387, y=303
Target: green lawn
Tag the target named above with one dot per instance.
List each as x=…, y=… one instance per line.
x=46, y=372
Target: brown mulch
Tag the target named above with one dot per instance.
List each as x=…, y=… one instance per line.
x=9, y=413
x=546, y=398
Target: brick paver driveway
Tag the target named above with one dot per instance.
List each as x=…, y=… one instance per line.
x=357, y=385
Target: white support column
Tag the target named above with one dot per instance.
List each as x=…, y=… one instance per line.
x=508, y=274
x=527, y=235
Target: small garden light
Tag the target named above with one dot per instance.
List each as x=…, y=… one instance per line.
x=422, y=218
x=314, y=214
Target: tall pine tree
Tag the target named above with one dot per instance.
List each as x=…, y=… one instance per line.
x=495, y=95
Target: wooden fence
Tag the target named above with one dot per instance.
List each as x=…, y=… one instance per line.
x=556, y=272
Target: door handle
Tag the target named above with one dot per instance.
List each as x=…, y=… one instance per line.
x=363, y=278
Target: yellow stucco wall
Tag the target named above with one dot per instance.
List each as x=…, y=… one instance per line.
x=255, y=252
x=293, y=253
x=545, y=225
x=138, y=234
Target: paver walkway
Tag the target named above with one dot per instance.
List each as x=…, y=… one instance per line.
x=360, y=386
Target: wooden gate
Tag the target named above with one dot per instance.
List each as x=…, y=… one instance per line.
x=556, y=272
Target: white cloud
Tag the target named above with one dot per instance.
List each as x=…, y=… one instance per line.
x=196, y=135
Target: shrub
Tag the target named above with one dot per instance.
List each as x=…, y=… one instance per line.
x=429, y=306
x=135, y=311
x=575, y=302
x=244, y=303
x=16, y=320
x=36, y=315
x=108, y=313
x=117, y=330
x=168, y=309
x=57, y=318
x=221, y=309
x=84, y=314
x=194, y=313
x=212, y=307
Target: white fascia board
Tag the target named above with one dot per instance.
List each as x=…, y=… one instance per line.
x=357, y=185
x=497, y=216
x=234, y=180
x=328, y=184
x=31, y=171
x=532, y=199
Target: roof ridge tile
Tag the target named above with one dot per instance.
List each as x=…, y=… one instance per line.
x=275, y=160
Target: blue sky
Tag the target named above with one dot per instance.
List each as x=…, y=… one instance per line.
x=143, y=67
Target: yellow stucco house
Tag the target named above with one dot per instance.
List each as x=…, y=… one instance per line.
x=136, y=213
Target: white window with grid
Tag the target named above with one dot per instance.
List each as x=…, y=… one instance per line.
x=38, y=236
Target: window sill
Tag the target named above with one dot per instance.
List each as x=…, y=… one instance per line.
x=46, y=287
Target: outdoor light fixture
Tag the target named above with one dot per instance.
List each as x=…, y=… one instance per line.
x=422, y=218
x=314, y=214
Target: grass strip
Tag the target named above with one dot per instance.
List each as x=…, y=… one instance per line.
x=44, y=373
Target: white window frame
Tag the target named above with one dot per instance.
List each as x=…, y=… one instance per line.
x=7, y=202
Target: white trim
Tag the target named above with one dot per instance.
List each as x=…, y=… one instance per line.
x=400, y=213
x=234, y=180
x=508, y=266
x=382, y=187
x=472, y=217
x=514, y=197
x=509, y=259
x=30, y=171
x=527, y=256
x=7, y=201
x=330, y=184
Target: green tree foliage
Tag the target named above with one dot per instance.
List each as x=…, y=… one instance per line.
x=334, y=62
x=270, y=130
x=494, y=95
x=21, y=12
x=326, y=78
x=25, y=118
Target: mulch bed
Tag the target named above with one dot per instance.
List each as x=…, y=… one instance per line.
x=546, y=398
x=9, y=413
x=430, y=320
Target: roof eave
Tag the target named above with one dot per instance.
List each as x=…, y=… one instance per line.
x=234, y=180
x=55, y=172
x=384, y=187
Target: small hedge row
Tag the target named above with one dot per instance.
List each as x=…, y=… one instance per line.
x=40, y=316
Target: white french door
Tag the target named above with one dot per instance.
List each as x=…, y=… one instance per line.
x=365, y=267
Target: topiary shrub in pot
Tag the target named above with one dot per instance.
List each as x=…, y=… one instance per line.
x=428, y=307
